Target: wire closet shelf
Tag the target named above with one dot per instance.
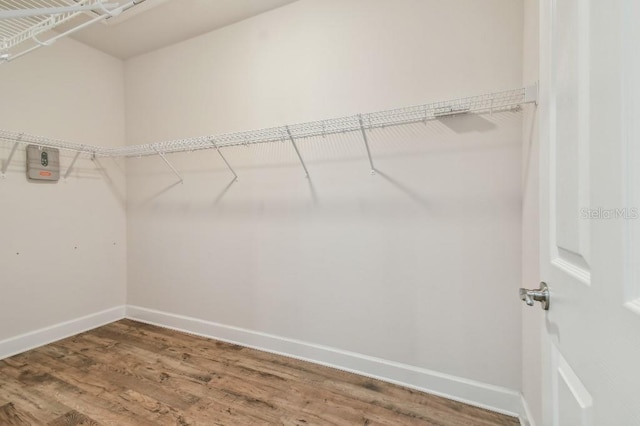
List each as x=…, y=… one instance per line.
x=492, y=102
x=23, y=24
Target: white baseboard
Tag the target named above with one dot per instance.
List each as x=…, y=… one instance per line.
x=43, y=336
x=475, y=393
x=526, y=419
x=471, y=392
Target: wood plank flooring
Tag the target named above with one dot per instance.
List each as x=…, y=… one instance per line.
x=129, y=373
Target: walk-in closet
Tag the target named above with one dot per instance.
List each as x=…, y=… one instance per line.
x=309, y=212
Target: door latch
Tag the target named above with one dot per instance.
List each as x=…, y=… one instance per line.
x=540, y=295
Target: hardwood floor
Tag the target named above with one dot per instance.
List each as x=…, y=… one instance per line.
x=129, y=373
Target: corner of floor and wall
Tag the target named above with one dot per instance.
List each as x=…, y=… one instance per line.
x=408, y=275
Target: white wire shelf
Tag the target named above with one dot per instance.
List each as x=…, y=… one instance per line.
x=23, y=23
x=498, y=101
x=492, y=102
x=26, y=139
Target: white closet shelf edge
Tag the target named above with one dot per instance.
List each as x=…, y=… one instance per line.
x=490, y=102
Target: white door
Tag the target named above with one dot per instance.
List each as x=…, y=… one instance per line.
x=589, y=72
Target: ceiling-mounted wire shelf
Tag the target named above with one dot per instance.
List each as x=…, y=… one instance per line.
x=23, y=25
x=491, y=102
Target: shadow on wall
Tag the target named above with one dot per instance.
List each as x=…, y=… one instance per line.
x=413, y=160
x=116, y=189
x=468, y=123
x=84, y=169
x=414, y=195
x=224, y=191
x=167, y=189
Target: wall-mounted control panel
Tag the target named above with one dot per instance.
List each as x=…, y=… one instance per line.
x=43, y=163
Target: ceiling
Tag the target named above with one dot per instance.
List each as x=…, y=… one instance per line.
x=154, y=24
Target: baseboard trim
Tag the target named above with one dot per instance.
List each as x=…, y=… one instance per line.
x=494, y=398
x=471, y=392
x=24, y=342
x=526, y=419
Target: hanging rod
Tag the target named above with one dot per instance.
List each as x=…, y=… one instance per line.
x=492, y=102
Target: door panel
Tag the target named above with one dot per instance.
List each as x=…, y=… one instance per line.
x=570, y=98
x=590, y=236
x=573, y=402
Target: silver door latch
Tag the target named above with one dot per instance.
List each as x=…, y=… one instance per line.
x=540, y=295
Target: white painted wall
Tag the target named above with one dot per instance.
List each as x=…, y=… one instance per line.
x=532, y=317
x=416, y=264
x=63, y=251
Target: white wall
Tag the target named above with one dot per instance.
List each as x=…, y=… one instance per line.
x=415, y=264
x=532, y=318
x=63, y=251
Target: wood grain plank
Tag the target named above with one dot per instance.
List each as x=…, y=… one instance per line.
x=130, y=373
x=73, y=418
x=10, y=415
x=40, y=405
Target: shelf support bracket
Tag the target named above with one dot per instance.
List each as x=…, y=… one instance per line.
x=213, y=142
x=293, y=142
x=366, y=144
x=13, y=151
x=173, y=169
x=73, y=163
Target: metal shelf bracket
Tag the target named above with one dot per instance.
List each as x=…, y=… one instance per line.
x=43, y=43
x=173, y=169
x=13, y=151
x=366, y=144
x=213, y=142
x=293, y=142
x=73, y=162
